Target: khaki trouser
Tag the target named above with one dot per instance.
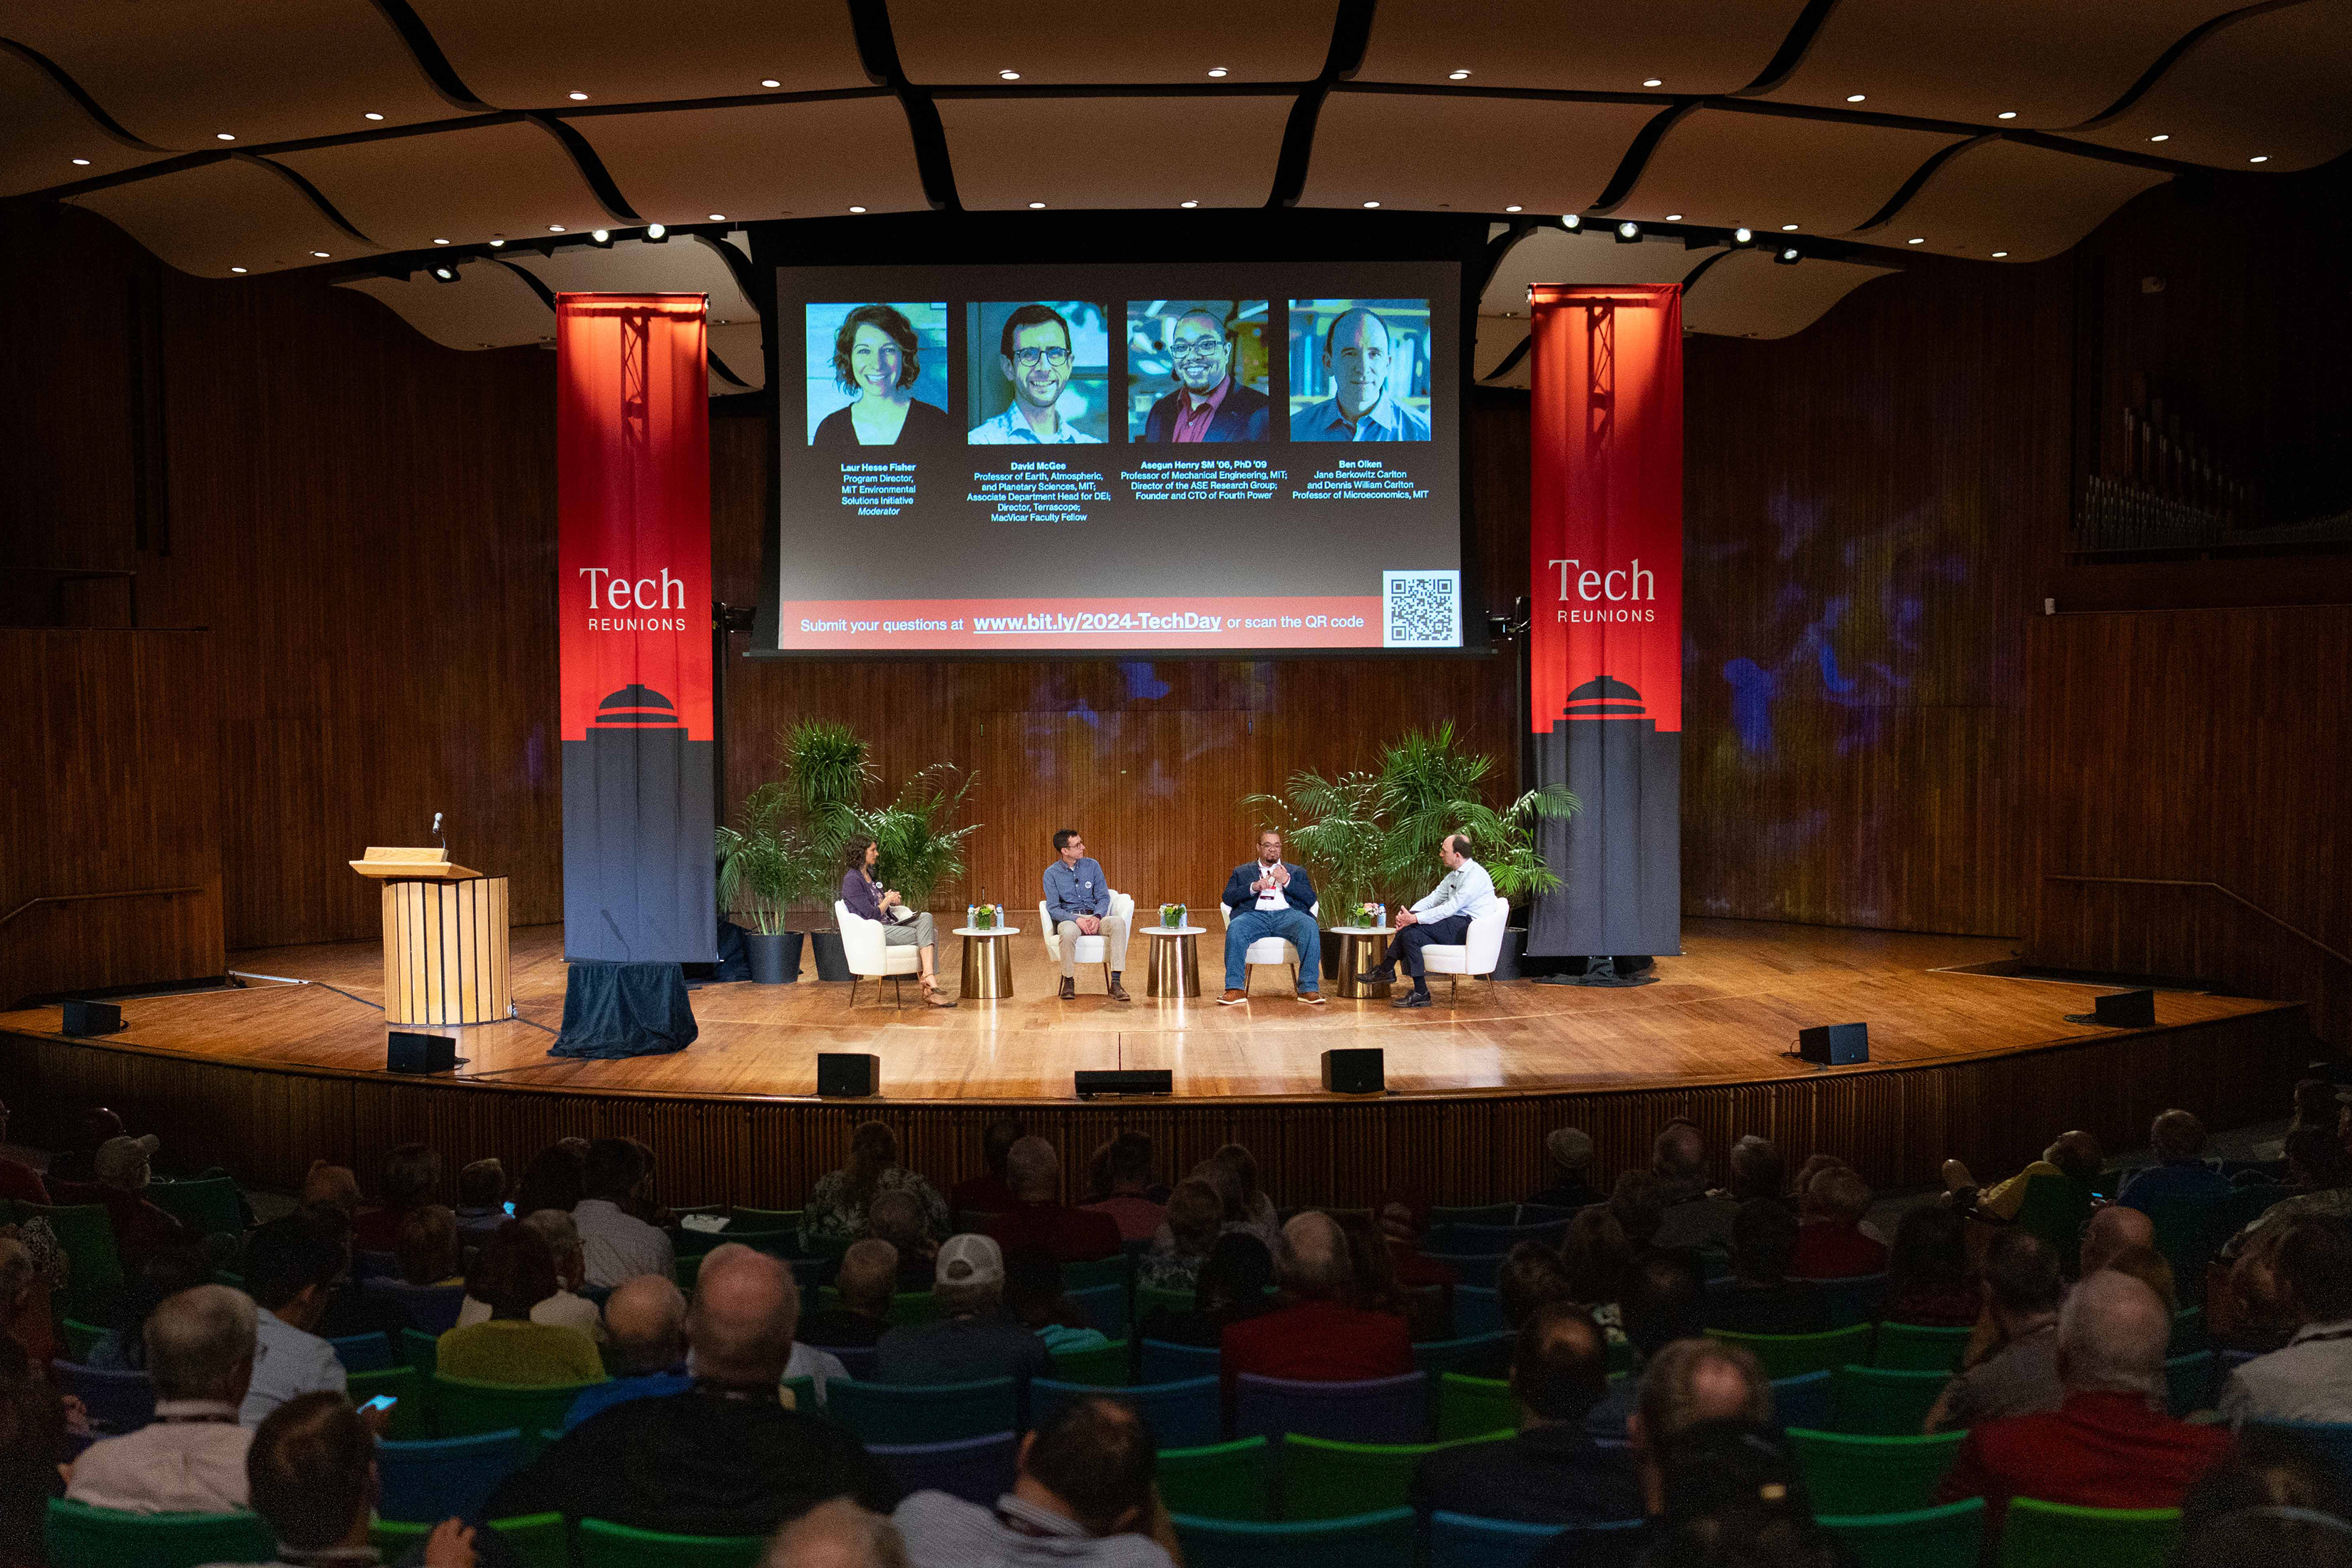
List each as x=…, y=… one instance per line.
x=1114, y=935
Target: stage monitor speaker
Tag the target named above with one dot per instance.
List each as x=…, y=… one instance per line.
x=1354, y=1070
x=92, y=1017
x=2120, y=1010
x=1834, y=1045
x=1124, y=1080
x=847, y=1075
x=408, y=1051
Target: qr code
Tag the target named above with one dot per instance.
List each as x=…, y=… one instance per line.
x=1421, y=609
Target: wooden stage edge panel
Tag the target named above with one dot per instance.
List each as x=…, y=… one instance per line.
x=1976, y=1065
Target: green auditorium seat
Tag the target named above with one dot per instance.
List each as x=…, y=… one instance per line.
x=1846, y=1474
x=462, y=1406
x=761, y=1222
x=211, y=1206
x=1104, y=1365
x=908, y=1308
x=1324, y=1479
x=1383, y=1540
x=85, y=1233
x=1218, y=1480
x=604, y=1545
x=2059, y=1535
x=79, y=1536
x=1792, y=1356
x=540, y=1540
x=1473, y=1406
x=1951, y=1536
x=916, y=1414
x=1882, y=1402
x=80, y=1337
x=1906, y=1347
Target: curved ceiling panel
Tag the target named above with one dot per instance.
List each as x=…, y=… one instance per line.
x=535, y=54
x=1723, y=167
x=761, y=161
x=736, y=345
x=1451, y=151
x=488, y=308
x=1115, y=152
x=236, y=215
x=1689, y=47
x=1556, y=256
x=46, y=139
x=979, y=40
x=179, y=72
x=1499, y=338
x=2276, y=86
x=1749, y=295
x=2048, y=64
x=682, y=265
x=513, y=181
x=2008, y=196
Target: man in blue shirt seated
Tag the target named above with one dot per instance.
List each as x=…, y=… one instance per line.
x=645, y=1325
x=1355, y=354
x=1270, y=897
x=2181, y=1174
x=1077, y=900
x=1442, y=918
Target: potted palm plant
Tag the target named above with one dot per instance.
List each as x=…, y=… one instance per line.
x=765, y=868
x=824, y=770
x=922, y=848
x=1338, y=827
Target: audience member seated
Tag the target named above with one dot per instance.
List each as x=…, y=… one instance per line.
x=412, y=1174
x=1039, y=1219
x=514, y=1273
x=77, y=1162
x=2181, y=1173
x=1530, y=1274
x=1317, y=1337
x=1638, y=1204
x=1082, y=1494
x=2017, y=1371
x=898, y=1218
x=1694, y=1386
x=2111, y=1228
x=867, y=1278
x=2319, y=1182
x=350, y=1310
x=2147, y=1266
x=839, y=1207
x=837, y=1534
x=1224, y=1179
x=1693, y=1217
x=1195, y=1224
x=1927, y=1281
x=1831, y=1244
x=2311, y=1378
x=1257, y=1209
x=1571, y=1152
x=1596, y=1255
x=1128, y=1166
x=2110, y=1444
x=1663, y=1301
x=1375, y=1285
x=123, y=1347
x=2074, y=1155
x=2273, y=1501
x=646, y=1320
x=24, y=1301
x=556, y=1178
x=973, y=1338
x=618, y=1245
x=311, y=1473
x=1729, y=1496
x=141, y=1229
x=1234, y=1284
x=987, y=1192
x=1758, y=1170
x=1552, y=1472
x=1760, y=1298
x=1033, y=1294
x=33, y=1444
x=1405, y=1227
x=726, y=1457
x=566, y=1309
x=326, y=1183
x=19, y=1182
x=190, y=1459
x=426, y=1253
x=290, y=1274
x=481, y=1200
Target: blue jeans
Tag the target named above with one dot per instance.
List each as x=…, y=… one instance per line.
x=1294, y=926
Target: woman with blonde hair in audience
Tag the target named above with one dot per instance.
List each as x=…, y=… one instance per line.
x=837, y=1208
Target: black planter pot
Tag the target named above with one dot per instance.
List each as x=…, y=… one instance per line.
x=832, y=964
x=775, y=959
x=1515, y=947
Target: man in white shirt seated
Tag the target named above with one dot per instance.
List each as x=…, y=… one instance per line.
x=190, y=1459
x=1442, y=918
x=2311, y=1378
x=618, y=1245
x=567, y=1308
x=290, y=1274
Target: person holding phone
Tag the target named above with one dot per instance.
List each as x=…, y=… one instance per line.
x=868, y=900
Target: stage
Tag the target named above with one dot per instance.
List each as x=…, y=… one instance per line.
x=1978, y=1064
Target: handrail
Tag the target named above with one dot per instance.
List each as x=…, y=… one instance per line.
x=78, y=898
x=2230, y=893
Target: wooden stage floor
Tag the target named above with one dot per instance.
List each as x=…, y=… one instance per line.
x=1725, y=1012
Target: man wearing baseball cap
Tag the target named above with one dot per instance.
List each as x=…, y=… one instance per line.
x=972, y=1338
x=141, y=1229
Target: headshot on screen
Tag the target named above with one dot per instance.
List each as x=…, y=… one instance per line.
x=1360, y=370
x=877, y=374
x=1040, y=374
x=1198, y=370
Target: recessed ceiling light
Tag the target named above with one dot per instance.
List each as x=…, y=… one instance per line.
x=1674, y=217
x=656, y=232
x=856, y=209
x=1998, y=254
x=495, y=243
x=1371, y=204
x=1216, y=70
x=223, y=136
x=577, y=96
x=1510, y=209
x=718, y=217
x=320, y=254
x=1742, y=234
x=555, y=228
x=1457, y=75
x=770, y=81
x=1629, y=231
x=1917, y=239
x=371, y=114
x=2006, y=114
x=600, y=236
x=1653, y=81
x=1854, y=97
x=1036, y=207
x=1570, y=221
x=237, y=269
x=440, y=242
x=81, y=163
x=1188, y=203
x=2259, y=158
x=2167, y=136
x=1787, y=228
x=1010, y=76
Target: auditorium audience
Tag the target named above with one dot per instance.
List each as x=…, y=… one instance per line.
x=2111, y=1230
x=2310, y=1379
x=123, y=1168
x=200, y=1347
x=290, y=1274
x=2181, y=1173
x=898, y=1218
x=24, y=1301
x=1039, y=1219
x=1663, y=1300
x=2017, y=1370
x=335, y=1184
x=426, y=1252
x=2109, y=1444
x=1552, y=1472
x=2075, y=1156
x=78, y=1161
x=1571, y=1152
x=312, y=1474
x=1315, y=1336
x=1127, y=1169
x=1082, y=1494
x=513, y=1274
x=972, y=1338
x=725, y=1458
x=19, y=1182
x=481, y=1200
x=1758, y=1170
x=1638, y=1204
x=1829, y=1241
x=865, y=1281
x=2147, y=1266
x=33, y=1441
x=556, y=1178
x=1257, y=1210
x=2273, y=1501
x=837, y=1534
x=567, y=1308
x=412, y=1173
x=1530, y=1274
x=1928, y=1284
x=1403, y=1227
x=1692, y=1216
x=838, y=1207
x=1033, y=1294
x=1235, y=1280
x=645, y=1322
x=2319, y=1184
x=1195, y=1223
x=987, y=1192
x=1596, y=1255
x=1760, y=1298
x=618, y=1245
x=1691, y=1383
x=1375, y=1286
x=123, y=1346
x=1730, y=1497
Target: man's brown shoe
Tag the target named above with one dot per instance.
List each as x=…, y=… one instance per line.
x=1118, y=993
x=1069, y=988
x=1232, y=998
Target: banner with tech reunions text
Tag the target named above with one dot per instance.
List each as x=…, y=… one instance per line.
x=633, y=566
x=1606, y=613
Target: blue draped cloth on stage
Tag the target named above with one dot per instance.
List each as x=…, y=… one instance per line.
x=624, y=1010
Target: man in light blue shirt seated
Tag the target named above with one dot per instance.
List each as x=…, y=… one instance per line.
x=1355, y=354
x=1034, y=352
x=1443, y=918
x=1077, y=903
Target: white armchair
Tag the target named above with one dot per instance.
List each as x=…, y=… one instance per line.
x=1273, y=949
x=869, y=957
x=1477, y=955
x=1091, y=949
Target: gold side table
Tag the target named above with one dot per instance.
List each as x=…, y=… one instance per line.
x=1175, y=969
x=987, y=962
x=1362, y=948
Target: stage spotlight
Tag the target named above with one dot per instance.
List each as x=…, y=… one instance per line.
x=1571, y=222
x=1788, y=256
x=446, y=272
x=496, y=244
x=656, y=233
x=1743, y=236
x=1628, y=233
x=601, y=237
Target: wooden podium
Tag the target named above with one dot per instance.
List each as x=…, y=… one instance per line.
x=444, y=939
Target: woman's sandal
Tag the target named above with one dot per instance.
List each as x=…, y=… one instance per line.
x=931, y=995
